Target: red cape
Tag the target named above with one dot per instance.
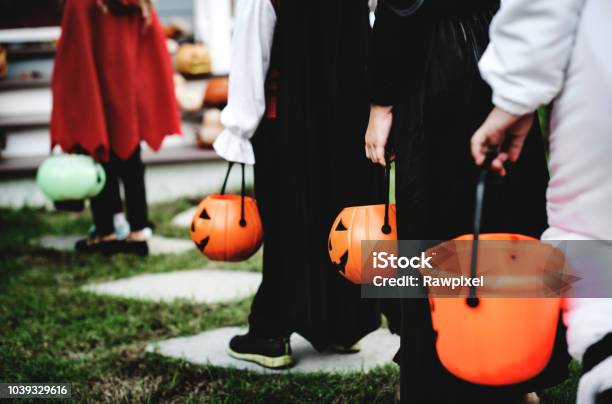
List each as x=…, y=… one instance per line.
x=112, y=83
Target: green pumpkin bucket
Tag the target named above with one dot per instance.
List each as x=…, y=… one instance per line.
x=68, y=179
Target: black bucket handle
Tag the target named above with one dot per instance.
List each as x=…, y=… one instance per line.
x=242, y=222
x=386, y=228
x=472, y=299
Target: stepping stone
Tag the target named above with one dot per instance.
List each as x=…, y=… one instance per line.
x=60, y=243
x=168, y=245
x=183, y=219
x=157, y=244
x=210, y=348
x=207, y=286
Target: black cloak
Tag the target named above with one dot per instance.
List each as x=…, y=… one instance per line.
x=310, y=165
x=425, y=64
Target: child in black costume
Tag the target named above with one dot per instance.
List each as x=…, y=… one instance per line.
x=427, y=94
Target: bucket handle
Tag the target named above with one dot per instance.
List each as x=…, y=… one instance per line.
x=242, y=221
x=386, y=228
x=472, y=300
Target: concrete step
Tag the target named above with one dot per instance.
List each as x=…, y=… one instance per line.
x=210, y=349
x=184, y=219
x=207, y=286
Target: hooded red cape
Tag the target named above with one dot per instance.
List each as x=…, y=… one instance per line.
x=112, y=83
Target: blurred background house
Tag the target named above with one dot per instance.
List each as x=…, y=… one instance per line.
x=186, y=166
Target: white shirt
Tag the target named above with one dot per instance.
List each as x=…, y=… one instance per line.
x=561, y=51
x=251, y=49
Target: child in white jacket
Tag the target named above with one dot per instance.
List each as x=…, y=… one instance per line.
x=559, y=50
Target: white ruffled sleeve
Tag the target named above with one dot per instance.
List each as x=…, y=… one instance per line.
x=251, y=49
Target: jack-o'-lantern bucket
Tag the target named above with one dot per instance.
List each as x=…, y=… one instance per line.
x=354, y=225
x=68, y=179
x=496, y=340
x=227, y=227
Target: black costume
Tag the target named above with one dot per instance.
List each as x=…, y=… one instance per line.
x=424, y=64
x=310, y=165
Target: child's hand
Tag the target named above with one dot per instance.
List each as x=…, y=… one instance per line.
x=502, y=132
x=126, y=7
x=377, y=134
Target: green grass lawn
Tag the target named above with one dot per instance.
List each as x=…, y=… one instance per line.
x=50, y=331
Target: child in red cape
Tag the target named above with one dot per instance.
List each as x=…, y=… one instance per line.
x=112, y=87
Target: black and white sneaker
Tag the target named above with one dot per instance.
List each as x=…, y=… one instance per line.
x=273, y=353
x=346, y=349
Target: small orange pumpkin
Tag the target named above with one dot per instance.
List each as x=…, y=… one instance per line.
x=216, y=92
x=224, y=229
x=352, y=226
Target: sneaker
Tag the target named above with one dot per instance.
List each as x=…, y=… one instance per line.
x=122, y=227
x=346, y=349
x=273, y=353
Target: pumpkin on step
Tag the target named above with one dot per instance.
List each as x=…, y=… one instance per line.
x=193, y=60
x=215, y=94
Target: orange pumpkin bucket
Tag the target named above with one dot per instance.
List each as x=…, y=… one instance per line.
x=354, y=225
x=490, y=340
x=227, y=227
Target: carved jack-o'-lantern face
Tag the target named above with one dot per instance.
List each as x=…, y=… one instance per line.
x=193, y=59
x=221, y=232
x=352, y=226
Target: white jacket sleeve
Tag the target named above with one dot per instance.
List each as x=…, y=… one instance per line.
x=531, y=43
x=251, y=49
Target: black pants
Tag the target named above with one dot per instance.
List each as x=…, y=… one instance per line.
x=270, y=313
x=108, y=202
x=301, y=290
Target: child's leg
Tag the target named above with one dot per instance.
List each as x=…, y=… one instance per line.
x=132, y=176
x=267, y=341
x=105, y=204
x=268, y=317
